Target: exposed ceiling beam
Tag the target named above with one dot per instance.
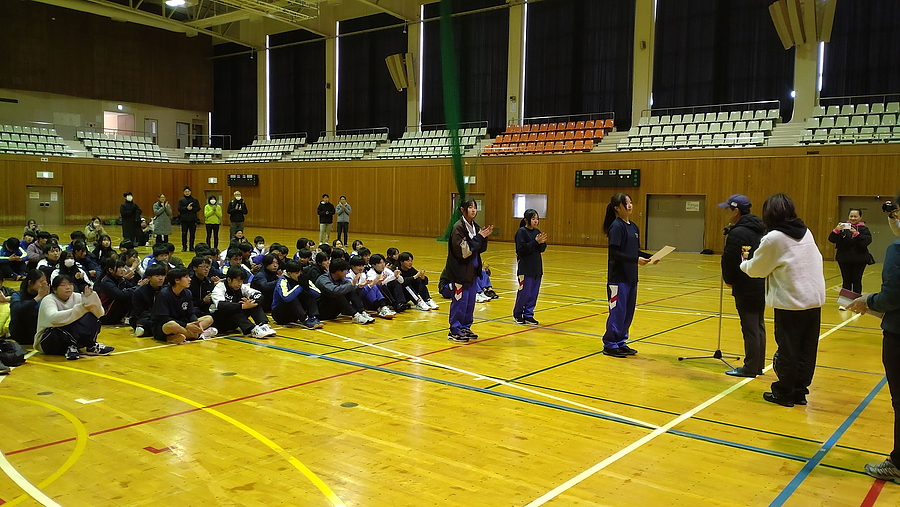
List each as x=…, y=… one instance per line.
x=221, y=19
x=375, y=3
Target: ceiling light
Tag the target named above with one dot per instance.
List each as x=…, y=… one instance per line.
x=175, y=3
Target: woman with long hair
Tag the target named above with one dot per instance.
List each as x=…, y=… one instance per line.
x=621, y=286
x=530, y=244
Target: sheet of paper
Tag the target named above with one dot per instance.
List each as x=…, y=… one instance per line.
x=847, y=296
x=664, y=251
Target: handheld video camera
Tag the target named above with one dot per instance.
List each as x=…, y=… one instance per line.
x=889, y=207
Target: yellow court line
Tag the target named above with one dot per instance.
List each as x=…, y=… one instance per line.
x=312, y=477
x=81, y=436
x=550, y=495
x=478, y=376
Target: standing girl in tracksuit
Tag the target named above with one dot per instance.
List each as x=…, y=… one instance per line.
x=621, y=289
x=467, y=242
x=530, y=243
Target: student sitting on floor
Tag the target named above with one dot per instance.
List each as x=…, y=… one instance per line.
x=12, y=259
x=258, y=250
x=69, y=266
x=390, y=258
x=142, y=300
x=304, y=257
x=116, y=288
x=104, y=248
x=315, y=271
x=27, y=239
x=160, y=255
x=339, y=253
x=339, y=294
x=387, y=281
x=201, y=284
x=236, y=259
x=174, y=261
x=301, y=244
x=90, y=266
x=266, y=279
x=355, y=246
x=295, y=299
x=69, y=321
x=174, y=317
x=51, y=259
x=23, y=307
x=75, y=236
x=35, y=251
x=415, y=283
x=368, y=290
x=132, y=260
x=234, y=303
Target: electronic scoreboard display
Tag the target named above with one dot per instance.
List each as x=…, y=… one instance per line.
x=243, y=180
x=608, y=178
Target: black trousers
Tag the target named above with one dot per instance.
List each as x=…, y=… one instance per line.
x=162, y=238
x=82, y=333
x=890, y=356
x=851, y=274
x=416, y=288
x=212, y=230
x=188, y=229
x=797, y=336
x=332, y=306
x=227, y=321
x=301, y=308
x=343, y=227
x=116, y=312
x=753, y=326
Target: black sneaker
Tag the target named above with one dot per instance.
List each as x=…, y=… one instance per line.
x=772, y=398
x=72, y=353
x=617, y=352
x=468, y=334
x=628, y=350
x=98, y=349
x=457, y=338
x=518, y=320
x=491, y=294
x=530, y=320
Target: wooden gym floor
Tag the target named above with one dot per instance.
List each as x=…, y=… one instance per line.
x=392, y=414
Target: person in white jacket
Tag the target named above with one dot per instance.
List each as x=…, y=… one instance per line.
x=69, y=321
x=791, y=263
x=234, y=303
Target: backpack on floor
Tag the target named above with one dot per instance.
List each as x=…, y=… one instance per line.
x=11, y=353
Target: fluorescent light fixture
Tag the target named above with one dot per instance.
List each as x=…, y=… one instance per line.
x=120, y=107
x=793, y=93
x=268, y=114
x=421, y=78
x=821, y=66
x=175, y=3
x=337, y=72
x=521, y=111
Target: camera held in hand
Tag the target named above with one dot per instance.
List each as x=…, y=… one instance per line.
x=889, y=207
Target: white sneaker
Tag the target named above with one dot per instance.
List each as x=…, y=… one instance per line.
x=370, y=319
x=139, y=331
x=208, y=333
x=422, y=305
x=482, y=298
x=431, y=304
x=269, y=331
x=258, y=332
x=386, y=313
x=360, y=318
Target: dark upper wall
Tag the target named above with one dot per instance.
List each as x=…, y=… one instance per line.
x=56, y=50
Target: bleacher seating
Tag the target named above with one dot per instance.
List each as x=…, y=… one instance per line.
x=266, y=150
x=723, y=129
x=201, y=154
x=431, y=143
x=342, y=147
x=563, y=137
x=853, y=123
x=32, y=141
x=121, y=147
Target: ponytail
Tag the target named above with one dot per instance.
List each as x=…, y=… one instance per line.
x=617, y=200
x=526, y=219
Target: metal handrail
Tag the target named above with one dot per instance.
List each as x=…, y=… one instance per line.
x=606, y=115
x=850, y=99
x=709, y=108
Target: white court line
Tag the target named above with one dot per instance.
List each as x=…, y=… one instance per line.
x=478, y=376
x=18, y=478
x=164, y=345
x=550, y=495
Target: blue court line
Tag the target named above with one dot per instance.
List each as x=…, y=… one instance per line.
x=680, y=433
x=827, y=446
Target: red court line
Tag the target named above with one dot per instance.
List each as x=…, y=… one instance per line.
x=874, y=491
x=329, y=377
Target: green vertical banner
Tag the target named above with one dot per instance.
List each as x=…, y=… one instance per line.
x=450, y=79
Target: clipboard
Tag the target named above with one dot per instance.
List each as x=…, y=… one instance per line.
x=664, y=251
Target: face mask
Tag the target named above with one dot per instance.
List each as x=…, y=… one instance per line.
x=96, y=224
x=213, y=202
x=129, y=198
x=69, y=263
x=238, y=198
x=260, y=245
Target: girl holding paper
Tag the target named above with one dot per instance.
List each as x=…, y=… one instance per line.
x=624, y=258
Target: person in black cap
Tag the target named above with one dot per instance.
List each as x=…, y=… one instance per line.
x=742, y=237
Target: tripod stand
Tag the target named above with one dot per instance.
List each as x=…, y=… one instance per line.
x=718, y=353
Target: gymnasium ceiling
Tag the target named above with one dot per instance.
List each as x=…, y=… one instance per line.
x=244, y=22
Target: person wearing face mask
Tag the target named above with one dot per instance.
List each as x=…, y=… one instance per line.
x=188, y=207
x=343, y=210
x=131, y=219
x=237, y=210
x=212, y=212
x=68, y=266
x=92, y=232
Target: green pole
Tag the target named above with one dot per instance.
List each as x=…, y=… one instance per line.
x=450, y=78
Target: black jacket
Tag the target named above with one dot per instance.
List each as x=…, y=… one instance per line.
x=850, y=249
x=464, y=265
x=236, y=210
x=325, y=212
x=748, y=231
x=188, y=216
